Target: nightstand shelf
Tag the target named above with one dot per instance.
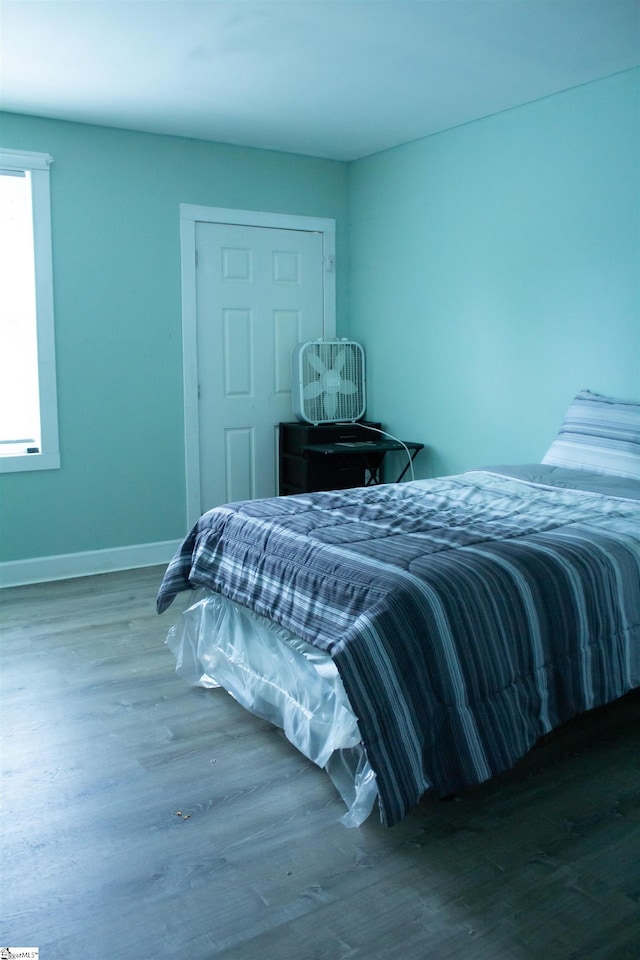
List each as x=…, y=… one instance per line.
x=334, y=456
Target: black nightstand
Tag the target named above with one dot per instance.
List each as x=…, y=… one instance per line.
x=333, y=456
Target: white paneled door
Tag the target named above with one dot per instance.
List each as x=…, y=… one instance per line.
x=259, y=292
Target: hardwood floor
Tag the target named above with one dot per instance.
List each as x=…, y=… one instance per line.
x=144, y=820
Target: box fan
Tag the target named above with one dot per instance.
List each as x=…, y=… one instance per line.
x=327, y=381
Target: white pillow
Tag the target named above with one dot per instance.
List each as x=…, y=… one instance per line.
x=599, y=434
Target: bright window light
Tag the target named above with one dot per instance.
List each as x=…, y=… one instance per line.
x=19, y=391
x=28, y=406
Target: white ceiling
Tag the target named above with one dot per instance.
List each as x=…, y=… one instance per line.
x=331, y=79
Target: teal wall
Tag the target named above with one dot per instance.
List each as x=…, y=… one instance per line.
x=490, y=271
x=495, y=272
x=115, y=224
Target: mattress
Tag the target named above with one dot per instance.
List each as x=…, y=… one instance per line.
x=466, y=616
x=280, y=678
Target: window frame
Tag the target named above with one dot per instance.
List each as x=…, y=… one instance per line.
x=48, y=457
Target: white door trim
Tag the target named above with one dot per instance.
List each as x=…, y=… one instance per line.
x=190, y=214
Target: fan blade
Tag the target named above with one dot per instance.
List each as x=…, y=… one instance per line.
x=316, y=362
x=346, y=386
x=330, y=405
x=339, y=361
x=312, y=390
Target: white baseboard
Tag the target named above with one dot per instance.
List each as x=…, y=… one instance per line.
x=14, y=573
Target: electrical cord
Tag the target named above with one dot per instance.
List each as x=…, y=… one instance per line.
x=391, y=437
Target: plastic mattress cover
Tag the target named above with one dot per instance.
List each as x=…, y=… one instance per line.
x=280, y=678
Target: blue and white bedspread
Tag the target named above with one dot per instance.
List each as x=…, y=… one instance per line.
x=467, y=616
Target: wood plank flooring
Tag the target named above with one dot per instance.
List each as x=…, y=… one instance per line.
x=144, y=820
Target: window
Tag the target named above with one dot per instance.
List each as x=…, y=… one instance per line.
x=28, y=404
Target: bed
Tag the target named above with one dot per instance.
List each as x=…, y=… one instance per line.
x=421, y=637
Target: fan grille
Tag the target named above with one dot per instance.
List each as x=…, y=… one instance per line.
x=328, y=381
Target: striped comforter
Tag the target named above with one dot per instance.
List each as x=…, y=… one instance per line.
x=467, y=616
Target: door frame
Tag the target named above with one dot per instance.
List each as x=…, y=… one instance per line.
x=190, y=215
